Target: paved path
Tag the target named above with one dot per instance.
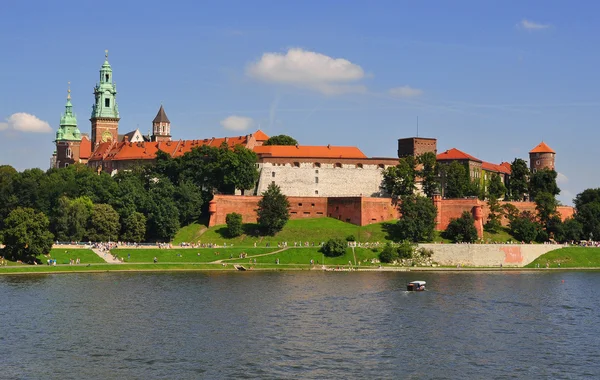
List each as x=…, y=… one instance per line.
x=106, y=256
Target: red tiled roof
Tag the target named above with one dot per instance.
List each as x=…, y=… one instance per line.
x=147, y=150
x=488, y=166
x=309, y=151
x=260, y=136
x=85, y=149
x=455, y=154
x=542, y=148
x=507, y=167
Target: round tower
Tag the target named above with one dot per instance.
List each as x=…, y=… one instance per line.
x=541, y=157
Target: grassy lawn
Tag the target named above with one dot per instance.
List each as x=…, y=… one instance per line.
x=63, y=255
x=569, y=257
x=312, y=230
x=501, y=236
x=302, y=256
x=189, y=234
x=185, y=255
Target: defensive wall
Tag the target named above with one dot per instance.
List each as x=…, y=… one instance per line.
x=488, y=255
x=361, y=211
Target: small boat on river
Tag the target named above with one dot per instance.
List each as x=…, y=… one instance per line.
x=415, y=286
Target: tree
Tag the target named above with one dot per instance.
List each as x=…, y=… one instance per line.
x=494, y=216
x=587, y=205
x=71, y=218
x=234, y=224
x=519, y=180
x=462, y=229
x=163, y=214
x=399, y=181
x=104, y=223
x=26, y=235
x=543, y=181
x=389, y=254
x=133, y=227
x=496, y=188
x=281, y=140
x=525, y=227
x=545, y=204
x=273, y=210
x=572, y=230
x=334, y=247
x=8, y=197
x=457, y=179
x=188, y=198
x=417, y=222
x=428, y=173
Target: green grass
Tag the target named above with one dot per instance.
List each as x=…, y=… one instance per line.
x=189, y=234
x=185, y=255
x=302, y=256
x=62, y=256
x=501, y=236
x=569, y=257
x=312, y=230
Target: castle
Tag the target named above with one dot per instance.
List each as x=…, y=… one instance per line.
x=336, y=181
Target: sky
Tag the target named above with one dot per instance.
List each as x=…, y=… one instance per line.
x=491, y=78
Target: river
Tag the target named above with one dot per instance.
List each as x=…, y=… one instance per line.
x=282, y=325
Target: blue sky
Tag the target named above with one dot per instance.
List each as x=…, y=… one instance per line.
x=491, y=78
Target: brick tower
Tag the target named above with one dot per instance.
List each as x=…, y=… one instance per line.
x=105, y=112
x=161, y=126
x=68, y=138
x=541, y=157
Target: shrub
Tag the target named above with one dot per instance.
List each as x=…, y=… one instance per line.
x=234, y=224
x=462, y=230
x=350, y=238
x=406, y=250
x=334, y=247
x=425, y=252
x=389, y=254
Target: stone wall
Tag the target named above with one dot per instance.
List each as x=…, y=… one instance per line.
x=325, y=178
x=488, y=255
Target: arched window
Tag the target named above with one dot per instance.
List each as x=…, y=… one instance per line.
x=338, y=165
x=317, y=164
x=360, y=166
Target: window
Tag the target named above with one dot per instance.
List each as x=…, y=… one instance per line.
x=272, y=182
x=317, y=171
x=317, y=164
x=107, y=102
x=312, y=205
x=381, y=166
x=316, y=179
x=360, y=166
x=319, y=213
x=316, y=192
x=296, y=164
x=338, y=165
x=306, y=212
x=293, y=212
x=299, y=204
x=106, y=77
x=273, y=174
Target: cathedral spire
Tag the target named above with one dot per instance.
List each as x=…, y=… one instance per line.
x=105, y=112
x=68, y=122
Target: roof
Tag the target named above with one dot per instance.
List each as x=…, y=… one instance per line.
x=260, y=136
x=147, y=150
x=542, y=148
x=304, y=151
x=161, y=116
x=85, y=148
x=502, y=168
x=454, y=155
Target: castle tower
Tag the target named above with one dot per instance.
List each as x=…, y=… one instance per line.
x=68, y=138
x=541, y=157
x=105, y=113
x=161, y=126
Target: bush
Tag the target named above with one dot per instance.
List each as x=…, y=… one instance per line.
x=389, y=254
x=350, y=238
x=462, y=230
x=234, y=224
x=406, y=250
x=334, y=248
x=424, y=252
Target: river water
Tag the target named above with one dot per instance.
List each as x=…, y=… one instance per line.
x=300, y=325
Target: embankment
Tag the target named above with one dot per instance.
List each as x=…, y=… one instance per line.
x=488, y=255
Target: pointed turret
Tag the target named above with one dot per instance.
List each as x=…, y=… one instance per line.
x=68, y=137
x=161, y=126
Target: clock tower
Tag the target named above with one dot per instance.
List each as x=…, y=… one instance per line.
x=105, y=112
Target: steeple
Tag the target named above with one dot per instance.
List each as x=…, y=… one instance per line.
x=161, y=126
x=68, y=123
x=105, y=112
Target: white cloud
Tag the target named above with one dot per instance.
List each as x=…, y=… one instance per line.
x=237, y=123
x=405, y=92
x=308, y=69
x=561, y=178
x=24, y=122
x=531, y=25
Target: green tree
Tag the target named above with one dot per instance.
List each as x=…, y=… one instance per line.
x=417, y=222
x=587, y=206
x=496, y=188
x=525, y=227
x=234, y=224
x=273, y=210
x=458, y=182
x=389, y=254
x=104, y=223
x=281, y=140
x=163, y=214
x=188, y=198
x=334, y=247
x=406, y=250
x=428, y=173
x=399, y=181
x=572, y=230
x=133, y=227
x=462, y=229
x=493, y=223
x=543, y=181
x=8, y=196
x=71, y=218
x=545, y=204
x=26, y=235
x=519, y=180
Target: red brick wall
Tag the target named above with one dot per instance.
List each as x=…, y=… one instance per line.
x=346, y=209
x=376, y=210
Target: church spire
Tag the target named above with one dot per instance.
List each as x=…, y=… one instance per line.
x=161, y=126
x=105, y=93
x=68, y=122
